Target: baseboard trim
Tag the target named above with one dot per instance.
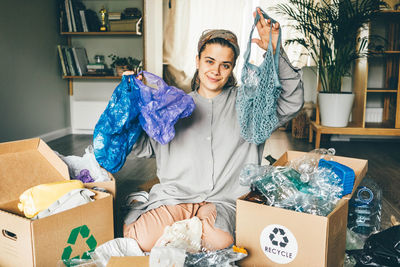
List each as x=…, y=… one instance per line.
x=82, y=131
x=348, y=138
x=47, y=137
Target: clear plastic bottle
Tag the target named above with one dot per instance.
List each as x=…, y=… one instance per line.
x=365, y=208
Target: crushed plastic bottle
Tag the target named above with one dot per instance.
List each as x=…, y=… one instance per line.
x=365, y=208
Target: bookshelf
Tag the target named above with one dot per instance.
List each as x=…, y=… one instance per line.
x=376, y=85
x=90, y=94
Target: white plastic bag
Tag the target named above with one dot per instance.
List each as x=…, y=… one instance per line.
x=88, y=161
x=167, y=257
x=184, y=234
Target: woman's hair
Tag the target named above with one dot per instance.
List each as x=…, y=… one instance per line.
x=195, y=84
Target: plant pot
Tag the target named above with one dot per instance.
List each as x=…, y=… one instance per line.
x=335, y=108
x=120, y=69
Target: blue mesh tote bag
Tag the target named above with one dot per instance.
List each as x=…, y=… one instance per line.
x=258, y=94
x=118, y=127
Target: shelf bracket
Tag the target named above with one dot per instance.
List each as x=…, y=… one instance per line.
x=70, y=87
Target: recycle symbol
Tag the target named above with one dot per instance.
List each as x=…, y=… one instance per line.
x=273, y=237
x=91, y=242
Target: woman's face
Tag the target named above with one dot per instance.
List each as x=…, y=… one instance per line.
x=215, y=65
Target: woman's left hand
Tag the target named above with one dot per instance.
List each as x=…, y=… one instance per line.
x=264, y=27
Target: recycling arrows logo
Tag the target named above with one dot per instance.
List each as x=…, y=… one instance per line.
x=278, y=243
x=274, y=237
x=84, y=232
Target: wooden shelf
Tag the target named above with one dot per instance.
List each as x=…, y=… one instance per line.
x=101, y=33
x=352, y=129
x=390, y=11
x=93, y=77
x=379, y=90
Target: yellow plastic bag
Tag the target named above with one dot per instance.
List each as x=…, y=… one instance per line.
x=40, y=197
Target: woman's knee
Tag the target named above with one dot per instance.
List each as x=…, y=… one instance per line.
x=145, y=239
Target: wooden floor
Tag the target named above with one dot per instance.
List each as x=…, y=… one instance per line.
x=383, y=166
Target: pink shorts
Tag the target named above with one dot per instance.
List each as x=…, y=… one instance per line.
x=150, y=225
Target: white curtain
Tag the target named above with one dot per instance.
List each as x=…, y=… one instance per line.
x=185, y=20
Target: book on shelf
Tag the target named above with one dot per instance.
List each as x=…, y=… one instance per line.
x=100, y=72
x=92, y=20
x=96, y=66
x=73, y=60
x=83, y=19
x=81, y=59
x=64, y=70
x=73, y=16
x=72, y=68
x=129, y=25
x=67, y=67
x=68, y=15
x=114, y=15
x=71, y=10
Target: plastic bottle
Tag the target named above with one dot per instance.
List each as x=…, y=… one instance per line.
x=365, y=208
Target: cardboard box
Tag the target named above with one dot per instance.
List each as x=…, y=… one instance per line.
x=108, y=185
x=129, y=261
x=43, y=242
x=300, y=239
x=127, y=25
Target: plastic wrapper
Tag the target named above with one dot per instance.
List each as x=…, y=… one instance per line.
x=185, y=234
x=220, y=258
x=161, y=107
x=78, y=263
x=354, y=240
x=118, y=127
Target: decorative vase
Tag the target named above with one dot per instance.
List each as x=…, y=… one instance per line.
x=335, y=108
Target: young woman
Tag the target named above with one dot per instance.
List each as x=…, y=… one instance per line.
x=199, y=169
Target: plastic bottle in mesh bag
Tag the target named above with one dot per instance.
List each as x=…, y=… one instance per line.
x=365, y=208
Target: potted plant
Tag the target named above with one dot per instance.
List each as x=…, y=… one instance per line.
x=331, y=31
x=121, y=64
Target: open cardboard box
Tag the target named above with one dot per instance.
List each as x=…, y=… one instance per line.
x=300, y=239
x=43, y=242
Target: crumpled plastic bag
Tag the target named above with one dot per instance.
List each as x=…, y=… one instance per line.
x=221, y=258
x=380, y=249
x=161, y=107
x=118, y=127
x=185, y=234
x=167, y=257
x=87, y=162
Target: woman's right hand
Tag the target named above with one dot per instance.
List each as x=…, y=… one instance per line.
x=129, y=72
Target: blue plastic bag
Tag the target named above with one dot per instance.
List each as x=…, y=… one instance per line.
x=118, y=127
x=161, y=106
x=257, y=98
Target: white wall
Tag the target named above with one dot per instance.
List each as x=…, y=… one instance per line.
x=33, y=97
x=154, y=36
